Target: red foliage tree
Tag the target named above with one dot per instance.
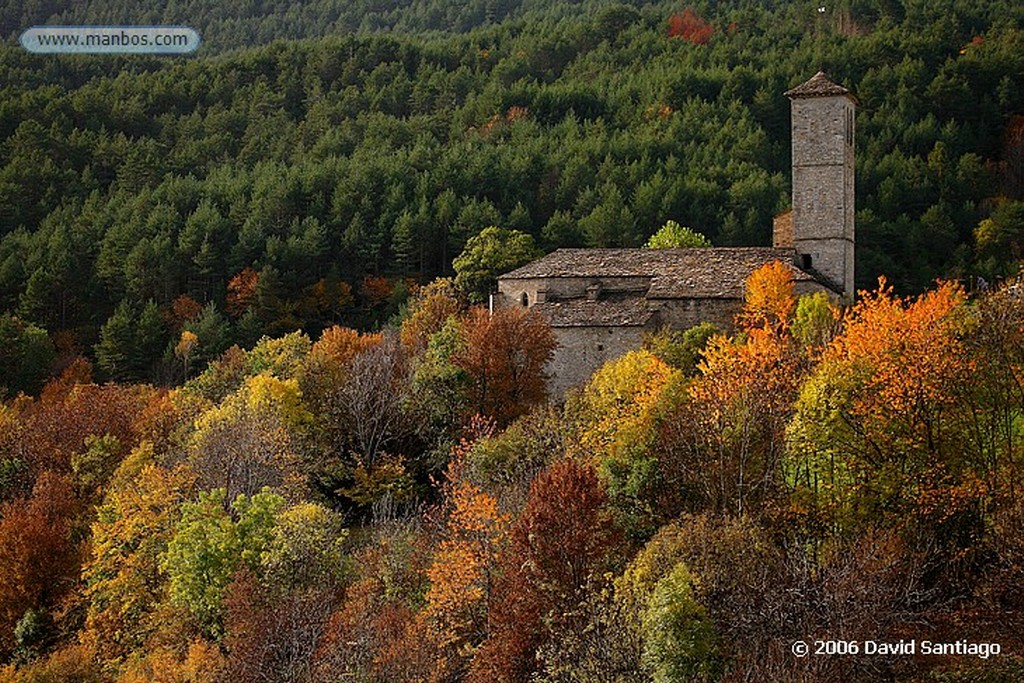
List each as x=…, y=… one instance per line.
x=376, y=290
x=690, y=27
x=241, y=290
x=184, y=309
x=271, y=635
x=54, y=427
x=38, y=558
x=560, y=548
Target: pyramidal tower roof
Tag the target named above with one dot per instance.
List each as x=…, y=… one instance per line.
x=820, y=85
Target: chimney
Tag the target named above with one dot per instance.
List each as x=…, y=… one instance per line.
x=782, y=230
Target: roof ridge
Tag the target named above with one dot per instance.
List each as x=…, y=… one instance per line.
x=818, y=85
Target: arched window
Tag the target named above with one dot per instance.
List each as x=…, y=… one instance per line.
x=525, y=300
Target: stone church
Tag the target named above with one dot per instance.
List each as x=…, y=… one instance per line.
x=601, y=302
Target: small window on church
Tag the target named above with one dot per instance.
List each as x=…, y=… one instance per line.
x=805, y=261
x=525, y=300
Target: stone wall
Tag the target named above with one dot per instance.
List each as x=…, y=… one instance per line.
x=582, y=350
x=562, y=288
x=682, y=314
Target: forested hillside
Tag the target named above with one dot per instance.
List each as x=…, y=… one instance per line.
x=324, y=178
x=405, y=506
x=251, y=429
x=303, y=184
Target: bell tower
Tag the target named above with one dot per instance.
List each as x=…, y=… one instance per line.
x=823, y=213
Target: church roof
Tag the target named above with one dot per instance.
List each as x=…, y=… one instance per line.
x=629, y=312
x=820, y=85
x=699, y=273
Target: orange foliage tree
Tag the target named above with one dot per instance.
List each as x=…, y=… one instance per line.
x=769, y=300
x=38, y=556
x=463, y=570
x=505, y=353
x=882, y=428
x=341, y=344
x=726, y=445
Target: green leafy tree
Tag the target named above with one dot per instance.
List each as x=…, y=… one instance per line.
x=679, y=638
x=26, y=354
x=675, y=236
x=209, y=546
x=493, y=252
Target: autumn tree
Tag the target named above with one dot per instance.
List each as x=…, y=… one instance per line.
x=342, y=344
x=373, y=397
x=727, y=440
x=769, y=299
x=124, y=582
x=881, y=430
x=690, y=27
x=55, y=426
x=505, y=353
x=271, y=635
x=241, y=291
x=725, y=444
x=39, y=557
x=560, y=547
x=463, y=571
x=275, y=615
x=247, y=441
x=306, y=549
x=374, y=634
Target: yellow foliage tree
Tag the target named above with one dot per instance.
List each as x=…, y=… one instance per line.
x=123, y=581
x=245, y=442
x=614, y=423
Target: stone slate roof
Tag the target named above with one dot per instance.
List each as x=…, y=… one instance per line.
x=700, y=273
x=630, y=312
x=595, y=263
x=820, y=85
